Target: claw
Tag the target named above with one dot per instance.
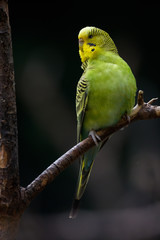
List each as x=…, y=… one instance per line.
x=95, y=137
x=126, y=117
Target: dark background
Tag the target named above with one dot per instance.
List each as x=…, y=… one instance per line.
x=122, y=197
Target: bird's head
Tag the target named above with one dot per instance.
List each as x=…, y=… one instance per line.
x=92, y=40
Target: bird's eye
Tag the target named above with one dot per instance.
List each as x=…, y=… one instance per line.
x=90, y=36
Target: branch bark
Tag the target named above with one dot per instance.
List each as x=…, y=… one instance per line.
x=142, y=111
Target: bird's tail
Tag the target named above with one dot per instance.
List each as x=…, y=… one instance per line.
x=74, y=209
x=86, y=164
x=84, y=174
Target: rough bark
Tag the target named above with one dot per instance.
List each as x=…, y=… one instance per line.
x=9, y=173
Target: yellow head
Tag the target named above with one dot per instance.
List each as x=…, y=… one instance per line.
x=92, y=40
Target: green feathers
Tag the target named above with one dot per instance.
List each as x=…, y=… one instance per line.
x=105, y=92
x=111, y=91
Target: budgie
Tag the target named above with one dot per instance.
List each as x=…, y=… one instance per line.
x=105, y=93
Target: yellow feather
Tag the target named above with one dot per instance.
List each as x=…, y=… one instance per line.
x=92, y=41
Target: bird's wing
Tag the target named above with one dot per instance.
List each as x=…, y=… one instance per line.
x=81, y=103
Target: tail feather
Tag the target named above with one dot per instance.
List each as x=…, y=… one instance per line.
x=84, y=174
x=74, y=209
x=86, y=164
x=82, y=183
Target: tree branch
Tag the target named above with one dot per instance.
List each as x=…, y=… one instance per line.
x=142, y=111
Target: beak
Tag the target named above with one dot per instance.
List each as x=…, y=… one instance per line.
x=81, y=41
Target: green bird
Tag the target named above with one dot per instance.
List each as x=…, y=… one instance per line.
x=105, y=92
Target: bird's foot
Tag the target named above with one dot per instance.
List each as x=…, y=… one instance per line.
x=127, y=118
x=95, y=137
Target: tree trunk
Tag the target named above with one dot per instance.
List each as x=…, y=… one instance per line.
x=9, y=174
